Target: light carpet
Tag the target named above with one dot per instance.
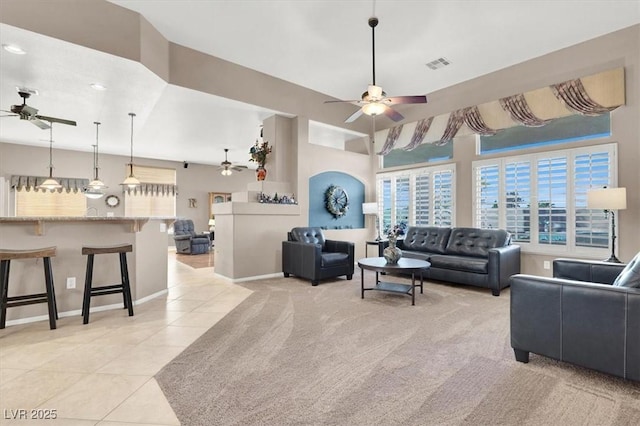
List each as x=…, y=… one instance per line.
x=293, y=354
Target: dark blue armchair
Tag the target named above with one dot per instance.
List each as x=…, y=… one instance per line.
x=187, y=240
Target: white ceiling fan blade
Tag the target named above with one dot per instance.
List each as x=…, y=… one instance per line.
x=353, y=117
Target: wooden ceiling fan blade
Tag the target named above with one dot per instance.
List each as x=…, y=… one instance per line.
x=417, y=99
x=239, y=168
x=353, y=117
x=393, y=114
x=40, y=124
x=9, y=115
x=56, y=120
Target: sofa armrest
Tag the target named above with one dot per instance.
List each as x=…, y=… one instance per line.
x=503, y=263
x=301, y=259
x=182, y=237
x=594, y=271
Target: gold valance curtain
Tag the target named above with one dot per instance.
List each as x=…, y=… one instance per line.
x=591, y=95
x=28, y=183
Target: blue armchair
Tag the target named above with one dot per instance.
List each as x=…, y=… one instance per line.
x=187, y=240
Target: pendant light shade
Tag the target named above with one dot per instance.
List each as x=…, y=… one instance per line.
x=50, y=183
x=131, y=181
x=96, y=187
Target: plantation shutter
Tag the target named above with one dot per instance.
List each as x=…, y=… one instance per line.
x=443, y=198
x=592, y=170
x=488, y=197
x=402, y=200
x=552, y=200
x=385, y=190
x=518, y=200
x=422, y=200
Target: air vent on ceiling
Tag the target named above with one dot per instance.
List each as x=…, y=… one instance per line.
x=438, y=63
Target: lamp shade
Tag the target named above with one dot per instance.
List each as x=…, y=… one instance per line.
x=607, y=198
x=370, y=208
x=212, y=222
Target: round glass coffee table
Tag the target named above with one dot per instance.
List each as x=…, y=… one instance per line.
x=404, y=265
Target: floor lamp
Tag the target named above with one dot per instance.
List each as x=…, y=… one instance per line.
x=609, y=199
x=372, y=209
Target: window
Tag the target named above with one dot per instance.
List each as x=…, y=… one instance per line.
x=562, y=130
x=427, y=152
x=156, y=196
x=47, y=203
x=541, y=199
x=419, y=197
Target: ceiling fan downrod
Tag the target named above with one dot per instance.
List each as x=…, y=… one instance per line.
x=373, y=22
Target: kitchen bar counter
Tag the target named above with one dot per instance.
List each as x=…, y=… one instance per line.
x=135, y=223
x=147, y=262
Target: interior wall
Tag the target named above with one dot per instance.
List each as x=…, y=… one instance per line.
x=195, y=181
x=618, y=49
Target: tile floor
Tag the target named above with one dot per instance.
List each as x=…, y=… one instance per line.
x=102, y=373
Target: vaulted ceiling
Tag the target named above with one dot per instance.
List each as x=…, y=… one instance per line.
x=321, y=45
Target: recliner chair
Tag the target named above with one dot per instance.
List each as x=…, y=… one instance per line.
x=307, y=254
x=187, y=240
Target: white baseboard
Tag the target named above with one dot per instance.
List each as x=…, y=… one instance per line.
x=78, y=312
x=254, y=278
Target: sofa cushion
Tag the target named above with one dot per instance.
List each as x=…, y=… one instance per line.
x=333, y=259
x=477, y=265
x=427, y=238
x=476, y=242
x=630, y=275
x=416, y=255
x=311, y=235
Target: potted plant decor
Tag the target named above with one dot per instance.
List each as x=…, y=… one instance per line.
x=258, y=154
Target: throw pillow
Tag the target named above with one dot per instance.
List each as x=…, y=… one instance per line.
x=630, y=275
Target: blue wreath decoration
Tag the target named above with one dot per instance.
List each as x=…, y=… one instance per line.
x=336, y=201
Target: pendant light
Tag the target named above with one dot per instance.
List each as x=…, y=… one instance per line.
x=50, y=183
x=96, y=187
x=131, y=181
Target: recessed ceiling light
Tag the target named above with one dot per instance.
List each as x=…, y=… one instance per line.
x=12, y=48
x=438, y=63
x=98, y=86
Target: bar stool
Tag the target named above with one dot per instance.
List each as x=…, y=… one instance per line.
x=49, y=297
x=123, y=287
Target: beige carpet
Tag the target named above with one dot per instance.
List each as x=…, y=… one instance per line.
x=293, y=354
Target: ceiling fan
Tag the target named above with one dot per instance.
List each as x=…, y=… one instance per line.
x=227, y=167
x=29, y=113
x=375, y=101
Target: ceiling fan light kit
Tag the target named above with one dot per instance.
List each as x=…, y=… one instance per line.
x=374, y=101
x=131, y=181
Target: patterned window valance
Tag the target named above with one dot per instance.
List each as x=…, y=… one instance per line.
x=591, y=95
x=390, y=142
x=32, y=182
x=154, y=189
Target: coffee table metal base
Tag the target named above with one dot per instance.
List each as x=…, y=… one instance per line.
x=378, y=264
